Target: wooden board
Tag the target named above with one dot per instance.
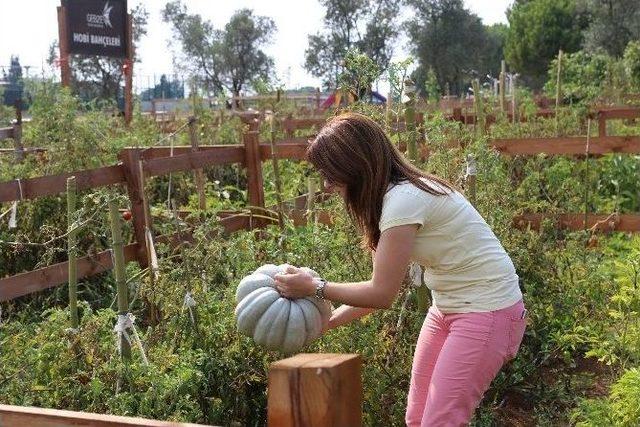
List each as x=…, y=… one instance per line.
x=576, y=221
x=615, y=113
x=568, y=145
x=43, y=278
x=294, y=151
x=19, y=416
x=53, y=184
x=220, y=155
x=6, y=133
x=315, y=390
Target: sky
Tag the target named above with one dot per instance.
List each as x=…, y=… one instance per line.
x=27, y=28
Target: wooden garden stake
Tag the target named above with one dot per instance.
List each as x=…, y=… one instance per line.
x=503, y=74
x=311, y=197
x=71, y=250
x=514, y=104
x=152, y=261
x=558, y=90
x=477, y=105
x=119, y=271
x=276, y=171
x=410, y=119
x=198, y=173
x=17, y=132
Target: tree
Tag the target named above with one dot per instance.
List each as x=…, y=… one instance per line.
x=101, y=78
x=538, y=29
x=365, y=25
x=451, y=41
x=612, y=24
x=14, y=89
x=222, y=59
x=167, y=89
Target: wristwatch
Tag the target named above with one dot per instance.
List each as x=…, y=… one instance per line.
x=320, y=284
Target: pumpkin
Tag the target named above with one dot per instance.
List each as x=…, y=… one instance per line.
x=273, y=321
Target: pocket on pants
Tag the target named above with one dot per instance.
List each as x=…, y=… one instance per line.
x=516, y=333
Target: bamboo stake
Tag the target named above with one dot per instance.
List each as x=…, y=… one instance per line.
x=119, y=271
x=558, y=91
x=410, y=120
x=71, y=250
x=199, y=175
x=503, y=74
x=276, y=171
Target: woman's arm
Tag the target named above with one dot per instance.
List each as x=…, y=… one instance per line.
x=346, y=314
x=389, y=267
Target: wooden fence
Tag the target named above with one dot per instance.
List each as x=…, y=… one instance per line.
x=306, y=390
x=136, y=165
x=580, y=146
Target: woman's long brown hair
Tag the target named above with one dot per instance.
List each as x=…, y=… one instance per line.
x=353, y=151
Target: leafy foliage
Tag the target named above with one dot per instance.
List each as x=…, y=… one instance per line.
x=222, y=59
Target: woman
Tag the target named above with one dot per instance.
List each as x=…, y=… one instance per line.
x=476, y=321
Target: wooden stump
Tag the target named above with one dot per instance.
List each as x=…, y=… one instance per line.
x=316, y=390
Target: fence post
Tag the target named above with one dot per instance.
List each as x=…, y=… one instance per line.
x=198, y=173
x=315, y=390
x=602, y=125
x=130, y=158
x=253, y=162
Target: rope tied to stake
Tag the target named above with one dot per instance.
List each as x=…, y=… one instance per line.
x=13, y=223
x=189, y=303
x=472, y=166
x=127, y=321
x=416, y=275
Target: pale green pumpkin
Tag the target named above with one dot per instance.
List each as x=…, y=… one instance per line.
x=273, y=321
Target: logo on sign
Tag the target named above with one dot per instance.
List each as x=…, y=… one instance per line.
x=100, y=21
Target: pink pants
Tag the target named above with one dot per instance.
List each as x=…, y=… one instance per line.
x=456, y=358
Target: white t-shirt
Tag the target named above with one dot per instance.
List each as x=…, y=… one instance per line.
x=467, y=269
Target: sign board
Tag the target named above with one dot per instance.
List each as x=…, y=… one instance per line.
x=97, y=27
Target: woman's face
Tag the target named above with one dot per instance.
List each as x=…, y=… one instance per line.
x=329, y=187
x=332, y=187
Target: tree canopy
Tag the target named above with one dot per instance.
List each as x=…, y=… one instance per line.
x=612, y=24
x=450, y=40
x=538, y=29
x=365, y=25
x=222, y=59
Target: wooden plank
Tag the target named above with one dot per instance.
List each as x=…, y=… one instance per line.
x=57, y=274
x=53, y=184
x=294, y=151
x=575, y=221
x=618, y=113
x=568, y=145
x=6, y=133
x=315, y=390
x=150, y=153
x=221, y=155
x=45, y=417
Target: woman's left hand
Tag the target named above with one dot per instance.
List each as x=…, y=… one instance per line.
x=295, y=283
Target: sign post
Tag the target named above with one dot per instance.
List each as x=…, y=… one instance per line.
x=97, y=28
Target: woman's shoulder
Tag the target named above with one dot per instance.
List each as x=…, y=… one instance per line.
x=407, y=188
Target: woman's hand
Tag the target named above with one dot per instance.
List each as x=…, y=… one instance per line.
x=295, y=283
